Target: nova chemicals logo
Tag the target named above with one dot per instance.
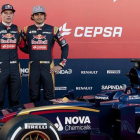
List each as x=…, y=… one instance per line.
x=58, y=125
x=73, y=123
x=24, y=72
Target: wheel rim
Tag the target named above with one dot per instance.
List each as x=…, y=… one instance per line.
x=35, y=135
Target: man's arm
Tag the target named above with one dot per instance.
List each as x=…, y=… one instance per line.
x=22, y=40
x=64, y=50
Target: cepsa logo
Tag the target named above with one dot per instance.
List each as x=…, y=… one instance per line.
x=92, y=31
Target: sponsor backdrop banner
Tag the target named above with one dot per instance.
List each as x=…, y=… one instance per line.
x=103, y=36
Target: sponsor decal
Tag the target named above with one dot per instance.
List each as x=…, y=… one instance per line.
x=113, y=71
x=113, y=87
x=8, y=7
x=59, y=125
x=39, y=42
x=65, y=30
x=13, y=31
x=63, y=42
x=89, y=72
x=68, y=71
x=63, y=63
x=47, y=32
x=92, y=31
x=60, y=88
x=32, y=32
x=39, y=37
x=13, y=62
x=61, y=38
x=39, y=47
x=35, y=125
x=75, y=123
x=8, y=36
x=3, y=31
x=133, y=97
x=84, y=88
x=102, y=98
x=8, y=46
x=44, y=62
x=138, y=132
x=125, y=126
x=39, y=8
x=24, y=72
x=59, y=35
x=8, y=41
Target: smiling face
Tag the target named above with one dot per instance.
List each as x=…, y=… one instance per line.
x=39, y=18
x=7, y=16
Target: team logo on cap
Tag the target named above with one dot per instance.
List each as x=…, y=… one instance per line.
x=8, y=7
x=38, y=8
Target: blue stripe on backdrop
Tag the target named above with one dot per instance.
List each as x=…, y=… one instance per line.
x=85, y=76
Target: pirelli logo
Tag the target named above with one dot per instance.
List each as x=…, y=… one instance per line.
x=39, y=47
x=8, y=46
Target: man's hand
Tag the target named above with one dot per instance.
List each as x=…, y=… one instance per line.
x=56, y=69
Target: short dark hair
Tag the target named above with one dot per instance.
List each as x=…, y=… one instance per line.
x=33, y=15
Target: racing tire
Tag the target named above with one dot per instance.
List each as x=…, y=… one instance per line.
x=20, y=128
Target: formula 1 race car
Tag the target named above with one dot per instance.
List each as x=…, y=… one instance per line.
x=106, y=95
x=64, y=119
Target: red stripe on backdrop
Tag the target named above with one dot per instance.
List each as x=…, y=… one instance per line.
x=89, y=25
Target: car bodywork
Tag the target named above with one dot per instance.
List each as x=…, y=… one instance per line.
x=106, y=95
x=76, y=120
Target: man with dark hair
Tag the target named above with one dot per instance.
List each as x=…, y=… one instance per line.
x=40, y=39
x=10, y=37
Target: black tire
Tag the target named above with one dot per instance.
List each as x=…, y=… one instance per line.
x=16, y=129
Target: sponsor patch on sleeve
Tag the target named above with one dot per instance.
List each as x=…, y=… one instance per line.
x=63, y=63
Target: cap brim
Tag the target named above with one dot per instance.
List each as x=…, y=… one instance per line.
x=8, y=9
x=37, y=12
